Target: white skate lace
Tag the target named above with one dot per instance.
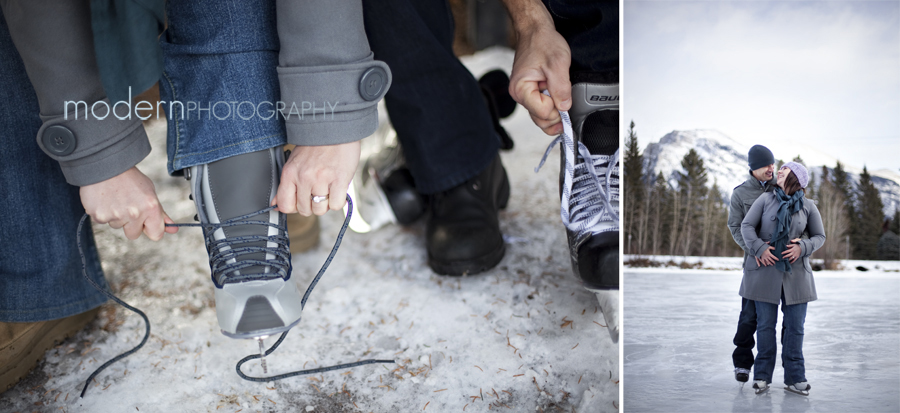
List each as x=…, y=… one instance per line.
x=590, y=192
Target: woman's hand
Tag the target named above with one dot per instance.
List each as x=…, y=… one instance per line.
x=127, y=201
x=317, y=171
x=792, y=252
x=768, y=258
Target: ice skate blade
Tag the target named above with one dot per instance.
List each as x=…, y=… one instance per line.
x=760, y=391
x=800, y=392
x=609, y=306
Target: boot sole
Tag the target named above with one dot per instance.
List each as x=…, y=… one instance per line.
x=55, y=333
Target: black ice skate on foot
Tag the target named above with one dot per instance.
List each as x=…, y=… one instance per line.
x=801, y=388
x=463, y=233
x=589, y=192
x=760, y=386
x=249, y=253
x=741, y=375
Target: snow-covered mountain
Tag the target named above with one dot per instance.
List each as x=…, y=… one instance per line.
x=726, y=161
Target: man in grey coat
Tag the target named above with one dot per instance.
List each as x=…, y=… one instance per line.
x=761, y=180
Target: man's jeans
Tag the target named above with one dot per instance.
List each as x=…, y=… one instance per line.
x=743, y=338
x=220, y=62
x=792, y=347
x=40, y=269
x=434, y=103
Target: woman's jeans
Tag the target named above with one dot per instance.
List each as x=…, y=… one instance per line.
x=792, y=348
x=40, y=269
x=220, y=64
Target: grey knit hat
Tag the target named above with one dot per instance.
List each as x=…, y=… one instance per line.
x=799, y=171
x=760, y=156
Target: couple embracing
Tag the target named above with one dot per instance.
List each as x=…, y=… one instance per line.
x=778, y=229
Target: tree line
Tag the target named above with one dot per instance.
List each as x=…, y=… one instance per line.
x=685, y=214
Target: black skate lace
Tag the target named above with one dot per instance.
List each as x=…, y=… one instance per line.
x=227, y=249
x=226, y=268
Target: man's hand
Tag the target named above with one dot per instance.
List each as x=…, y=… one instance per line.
x=542, y=62
x=768, y=258
x=792, y=252
x=127, y=201
x=320, y=171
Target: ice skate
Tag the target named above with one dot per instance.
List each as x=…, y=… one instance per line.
x=249, y=254
x=760, y=386
x=801, y=388
x=589, y=191
x=741, y=375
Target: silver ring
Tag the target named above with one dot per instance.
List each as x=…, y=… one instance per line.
x=317, y=199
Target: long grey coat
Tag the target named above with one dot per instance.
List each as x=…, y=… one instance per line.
x=765, y=283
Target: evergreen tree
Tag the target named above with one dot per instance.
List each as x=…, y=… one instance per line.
x=870, y=218
x=692, y=192
x=831, y=204
x=844, y=186
x=895, y=223
x=634, y=189
x=659, y=201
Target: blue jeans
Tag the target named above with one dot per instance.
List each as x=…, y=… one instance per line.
x=40, y=269
x=743, y=338
x=435, y=104
x=220, y=62
x=792, y=347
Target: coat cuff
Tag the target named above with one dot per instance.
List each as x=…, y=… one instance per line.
x=328, y=105
x=91, y=150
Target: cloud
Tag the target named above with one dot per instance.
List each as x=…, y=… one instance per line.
x=823, y=71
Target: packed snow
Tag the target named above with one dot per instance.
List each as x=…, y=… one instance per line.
x=524, y=336
x=679, y=324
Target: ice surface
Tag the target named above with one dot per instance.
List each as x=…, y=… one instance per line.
x=472, y=343
x=679, y=325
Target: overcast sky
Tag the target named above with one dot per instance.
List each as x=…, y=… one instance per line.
x=783, y=74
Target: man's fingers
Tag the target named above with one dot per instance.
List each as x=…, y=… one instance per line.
x=560, y=88
x=539, y=105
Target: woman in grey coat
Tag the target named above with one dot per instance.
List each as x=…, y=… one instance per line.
x=780, y=272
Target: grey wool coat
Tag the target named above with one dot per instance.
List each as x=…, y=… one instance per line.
x=742, y=198
x=765, y=283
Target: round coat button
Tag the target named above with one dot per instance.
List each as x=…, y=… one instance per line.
x=372, y=83
x=59, y=140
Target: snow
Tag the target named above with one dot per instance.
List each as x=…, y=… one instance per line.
x=678, y=328
x=474, y=343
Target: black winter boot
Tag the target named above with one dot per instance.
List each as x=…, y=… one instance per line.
x=463, y=234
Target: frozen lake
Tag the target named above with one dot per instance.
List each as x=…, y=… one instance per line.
x=678, y=330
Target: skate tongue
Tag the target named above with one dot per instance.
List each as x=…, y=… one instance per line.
x=241, y=185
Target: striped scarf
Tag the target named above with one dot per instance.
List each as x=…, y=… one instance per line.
x=787, y=207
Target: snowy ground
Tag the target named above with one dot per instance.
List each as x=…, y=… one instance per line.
x=678, y=327
x=523, y=337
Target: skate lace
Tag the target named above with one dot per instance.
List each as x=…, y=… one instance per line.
x=235, y=241
x=225, y=260
x=589, y=187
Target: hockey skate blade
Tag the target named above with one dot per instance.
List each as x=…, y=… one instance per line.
x=609, y=305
